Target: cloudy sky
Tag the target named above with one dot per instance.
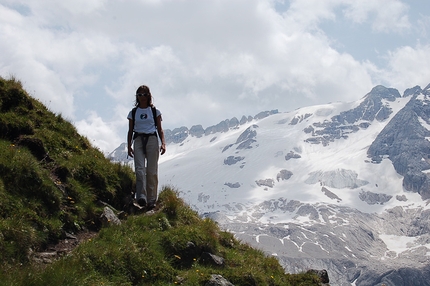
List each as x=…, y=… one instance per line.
x=208, y=60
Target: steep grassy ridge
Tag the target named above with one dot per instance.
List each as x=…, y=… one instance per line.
x=50, y=177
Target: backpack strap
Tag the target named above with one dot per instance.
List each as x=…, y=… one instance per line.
x=154, y=115
x=133, y=118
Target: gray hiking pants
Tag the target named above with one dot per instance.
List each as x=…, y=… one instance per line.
x=146, y=167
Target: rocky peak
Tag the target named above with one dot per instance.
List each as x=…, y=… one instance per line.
x=404, y=142
x=178, y=135
x=373, y=107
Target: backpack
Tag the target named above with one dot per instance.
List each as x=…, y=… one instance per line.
x=154, y=115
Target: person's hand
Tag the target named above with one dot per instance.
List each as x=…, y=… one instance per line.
x=163, y=149
x=130, y=151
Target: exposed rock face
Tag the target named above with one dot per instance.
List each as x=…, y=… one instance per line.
x=218, y=280
x=231, y=160
x=178, y=135
x=245, y=139
x=249, y=133
x=223, y=126
x=330, y=194
x=338, y=179
x=404, y=141
x=372, y=198
x=233, y=185
x=299, y=119
x=211, y=259
x=284, y=175
x=373, y=107
x=108, y=217
x=266, y=182
x=265, y=114
x=292, y=155
x=197, y=131
x=343, y=241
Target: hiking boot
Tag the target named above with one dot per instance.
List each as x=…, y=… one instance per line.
x=141, y=202
x=151, y=206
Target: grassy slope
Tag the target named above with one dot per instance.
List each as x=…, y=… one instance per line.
x=51, y=180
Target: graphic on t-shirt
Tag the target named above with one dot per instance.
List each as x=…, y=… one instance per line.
x=143, y=116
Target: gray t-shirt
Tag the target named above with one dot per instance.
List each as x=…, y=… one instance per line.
x=144, y=121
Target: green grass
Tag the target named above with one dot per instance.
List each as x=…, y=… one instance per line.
x=51, y=178
x=52, y=182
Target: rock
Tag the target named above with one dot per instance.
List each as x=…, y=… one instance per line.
x=197, y=131
x=292, y=155
x=177, y=135
x=264, y=114
x=373, y=198
x=231, y=160
x=249, y=133
x=372, y=108
x=234, y=186
x=211, y=259
x=243, y=120
x=404, y=141
x=108, y=217
x=338, y=179
x=300, y=118
x=330, y=194
x=267, y=182
x=218, y=280
x=284, y=175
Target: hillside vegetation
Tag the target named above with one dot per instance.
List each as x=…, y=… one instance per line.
x=53, y=183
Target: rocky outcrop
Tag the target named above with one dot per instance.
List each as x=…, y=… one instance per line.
x=197, y=131
x=300, y=118
x=373, y=198
x=330, y=194
x=179, y=135
x=338, y=179
x=284, y=175
x=264, y=114
x=231, y=160
x=344, y=241
x=404, y=141
x=233, y=185
x=371, y=108
x=218, y=280
x=108, y=217
x=266, y=182
x=292, y=155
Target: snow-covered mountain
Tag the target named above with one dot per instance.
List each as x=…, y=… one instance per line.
x=341, y=186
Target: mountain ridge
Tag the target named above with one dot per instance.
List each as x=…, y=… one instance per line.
x=321, y=186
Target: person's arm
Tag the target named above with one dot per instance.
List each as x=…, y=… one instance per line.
x=161, y=135
x=129, y=138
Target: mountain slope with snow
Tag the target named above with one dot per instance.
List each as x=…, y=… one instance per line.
x=341, y=186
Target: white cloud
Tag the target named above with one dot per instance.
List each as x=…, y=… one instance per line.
x=409, y=65
x=204, y=61
x=102, y=134
x=385, y=15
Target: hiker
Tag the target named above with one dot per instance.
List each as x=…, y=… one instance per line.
x=144, y=124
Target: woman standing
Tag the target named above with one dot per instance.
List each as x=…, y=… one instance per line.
x=144, y=123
